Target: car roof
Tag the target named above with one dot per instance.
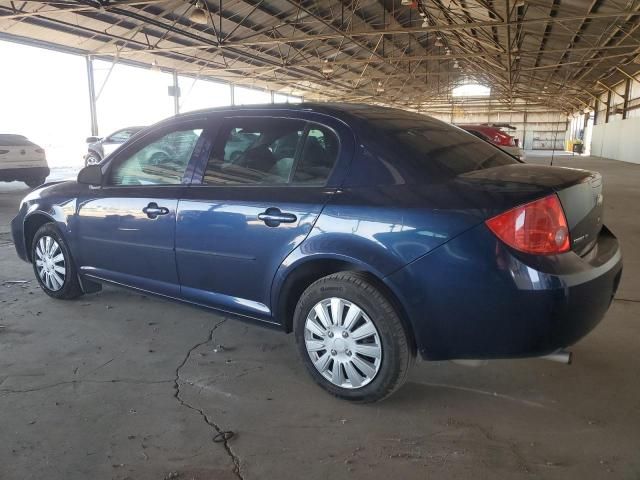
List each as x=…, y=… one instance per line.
x=335, y=109
x=135, y=127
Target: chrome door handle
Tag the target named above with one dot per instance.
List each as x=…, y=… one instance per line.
x=273, y=217
x=153, y=210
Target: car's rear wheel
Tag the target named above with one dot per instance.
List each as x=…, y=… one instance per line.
x=35, y=182
x=53, y=265
x=351, y=338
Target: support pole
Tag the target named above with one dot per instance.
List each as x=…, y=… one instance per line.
x=627, y=95
x=92, y=97
x=233, y=93
x=176, y=93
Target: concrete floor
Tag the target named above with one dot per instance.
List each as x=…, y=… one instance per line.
x=124, y=386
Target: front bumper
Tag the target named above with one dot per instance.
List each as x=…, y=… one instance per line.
x=475, y=298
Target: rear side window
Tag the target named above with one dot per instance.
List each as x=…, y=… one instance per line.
x=318, y=157
x=255, y=151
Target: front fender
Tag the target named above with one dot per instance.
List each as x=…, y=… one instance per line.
x=55, y=203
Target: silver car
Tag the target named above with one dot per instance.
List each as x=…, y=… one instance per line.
x=100, y=147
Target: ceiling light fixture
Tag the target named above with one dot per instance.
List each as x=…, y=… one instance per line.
x=327, y=68
x=425, y=23
x=199, y=15
x=438, y=42
x=380, y=88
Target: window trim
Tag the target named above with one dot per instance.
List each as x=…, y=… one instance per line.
x=288, y=184
x=152, y=136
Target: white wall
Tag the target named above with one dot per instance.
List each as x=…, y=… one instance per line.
x=618, y=140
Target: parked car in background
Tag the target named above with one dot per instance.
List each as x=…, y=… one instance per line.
x=99, y=148
x=22, y=160
x=374, y=234
x=495, y=134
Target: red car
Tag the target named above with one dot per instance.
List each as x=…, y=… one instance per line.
x=492, y=133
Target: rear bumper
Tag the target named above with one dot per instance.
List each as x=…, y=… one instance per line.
x=476, y=298
x=11, y=174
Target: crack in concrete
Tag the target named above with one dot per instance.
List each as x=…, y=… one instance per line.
x=72, y=382
x=626, y=300
x=225, y=443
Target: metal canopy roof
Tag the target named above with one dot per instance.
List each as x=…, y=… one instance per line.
x=554, y=53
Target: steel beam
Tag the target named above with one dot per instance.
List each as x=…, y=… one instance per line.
x=92, y=96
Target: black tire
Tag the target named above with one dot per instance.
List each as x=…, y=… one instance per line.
x=70, y=287
x=397, y=354
x=35, y=182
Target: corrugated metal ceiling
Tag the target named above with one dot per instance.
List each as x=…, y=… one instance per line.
x=542, y=52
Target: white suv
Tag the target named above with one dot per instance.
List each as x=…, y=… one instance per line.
x=22, y=160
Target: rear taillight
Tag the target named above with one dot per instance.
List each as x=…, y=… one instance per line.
x=538, y=227
x=39, y=150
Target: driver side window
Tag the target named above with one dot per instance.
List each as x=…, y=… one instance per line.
x=161, y=162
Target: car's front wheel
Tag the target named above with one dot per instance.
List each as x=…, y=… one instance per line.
x=351, y=338
x=53, y=265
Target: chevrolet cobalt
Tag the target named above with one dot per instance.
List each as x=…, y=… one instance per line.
x=375, y=235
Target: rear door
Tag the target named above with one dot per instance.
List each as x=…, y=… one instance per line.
x=258, y=197
x=126, y=228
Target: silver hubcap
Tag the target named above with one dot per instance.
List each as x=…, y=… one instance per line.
x=50, y=263
x=343, y=343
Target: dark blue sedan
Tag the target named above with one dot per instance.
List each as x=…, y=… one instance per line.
x=374, y=234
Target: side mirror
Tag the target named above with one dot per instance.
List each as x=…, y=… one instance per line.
x=91, y=175
x=92, y=139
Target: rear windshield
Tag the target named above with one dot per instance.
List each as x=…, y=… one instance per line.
x=432, y=149
x=11, y=140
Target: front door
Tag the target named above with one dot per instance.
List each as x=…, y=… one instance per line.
x=126, y=228
x=262, y=190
